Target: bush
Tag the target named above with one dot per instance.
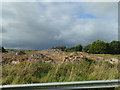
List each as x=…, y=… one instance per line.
x=2, y=49
x=74, y=49
x=114, y=47
x=87, y=48
x=62, y=48
x=97, y=47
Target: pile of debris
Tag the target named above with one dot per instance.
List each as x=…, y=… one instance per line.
x=73, y=57
x=113, y=60
x=13, y=58
x=50, y=56
x=38, y=57
x=51, y=51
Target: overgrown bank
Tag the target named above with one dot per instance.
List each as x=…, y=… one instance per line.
x=32, y=72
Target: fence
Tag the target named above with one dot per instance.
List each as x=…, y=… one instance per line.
x=65, y=85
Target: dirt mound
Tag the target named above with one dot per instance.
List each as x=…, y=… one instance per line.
x=8, y=58
x=40, y=57
x=49, y=56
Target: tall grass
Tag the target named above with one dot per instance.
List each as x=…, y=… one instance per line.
x=108, y=55
x=33, y=72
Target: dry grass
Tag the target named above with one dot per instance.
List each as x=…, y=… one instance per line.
x=108, y=55
x=32, y=72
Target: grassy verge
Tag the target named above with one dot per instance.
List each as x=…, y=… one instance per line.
x=34, y=72
x=108, y=55
x=26, y=51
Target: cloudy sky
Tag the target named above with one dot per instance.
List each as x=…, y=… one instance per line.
x=41, y=25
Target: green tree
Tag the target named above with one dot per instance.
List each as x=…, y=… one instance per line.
x=114, y=47
x=87, y=48
x=74, y=49
x=99, y=47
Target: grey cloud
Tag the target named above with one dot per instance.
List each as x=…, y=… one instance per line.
x=43, y=25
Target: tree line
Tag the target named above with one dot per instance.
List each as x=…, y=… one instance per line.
x=96, y=47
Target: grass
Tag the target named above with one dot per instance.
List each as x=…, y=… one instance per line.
x=34, y=72
x=26, y=51
x=108, y=55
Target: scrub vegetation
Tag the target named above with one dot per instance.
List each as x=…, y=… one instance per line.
x=33, y=72
x=96, y=61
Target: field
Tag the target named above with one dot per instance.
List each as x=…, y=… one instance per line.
x=31, y=71
x=108, y=55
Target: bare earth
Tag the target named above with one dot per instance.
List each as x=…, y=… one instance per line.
x=50, y=56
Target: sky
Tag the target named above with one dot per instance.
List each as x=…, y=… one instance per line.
x=42, y=25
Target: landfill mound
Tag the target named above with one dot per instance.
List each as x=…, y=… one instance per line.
x=50, y=56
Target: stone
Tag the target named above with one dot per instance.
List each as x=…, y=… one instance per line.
x=20, y=53
x=15, y=62
x=114, y=60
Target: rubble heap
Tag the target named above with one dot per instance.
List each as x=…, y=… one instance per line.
x=50, y=56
